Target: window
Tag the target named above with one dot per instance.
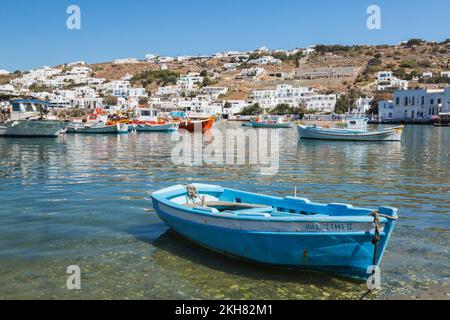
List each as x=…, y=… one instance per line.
x=29, y=107
x=16, y=107
x=406, y=101
x=432, y=101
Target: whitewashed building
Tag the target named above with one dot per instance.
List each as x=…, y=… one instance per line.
x=386, y=81
x=266, y=60
x=150, y=57
x=415, y=105
x=214, y=92
x=231, y=66
x=251, y=73
x=445, y=74
x=189, y=82
x=294, y=97
x=362, y=105
x=126, y=61
x=233, y=107
x=167, y=91
x=7, y=89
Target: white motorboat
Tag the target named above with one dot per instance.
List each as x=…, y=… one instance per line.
x=28, y=119
x=356, y=131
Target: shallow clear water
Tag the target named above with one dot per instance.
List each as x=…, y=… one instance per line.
x=84, y=200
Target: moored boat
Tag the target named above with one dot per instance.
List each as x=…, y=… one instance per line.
x=356, y=131
x=98, y=128
x=197, y=125
x=288, y=232
x=28, y=118
x=443, y=120
x=269, y=122
x=147, y=127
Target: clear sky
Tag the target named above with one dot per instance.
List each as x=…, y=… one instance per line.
x=34, y=33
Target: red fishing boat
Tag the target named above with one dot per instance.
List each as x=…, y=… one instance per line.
x=197, y=125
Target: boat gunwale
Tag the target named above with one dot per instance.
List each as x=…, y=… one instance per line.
x=349, y=133
x=162, y=197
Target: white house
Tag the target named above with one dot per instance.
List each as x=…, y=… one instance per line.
x=232, y=107
x=214, y=92
x=150, y=57
x=266, y=61
x=136, y=92
x=415, y=105
x=426, y=75
x=386, y=80
x=294, y=96
x=189, y=82
x=251, y=73
x=167, y=91
x=126, y=61
x=362, y=105
x=231, y=66
x=309, y=50
x=7, y=89
x=200, y=105
x=4, y=72
x=445, y=74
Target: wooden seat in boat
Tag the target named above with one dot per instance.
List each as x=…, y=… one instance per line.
x=227, y=206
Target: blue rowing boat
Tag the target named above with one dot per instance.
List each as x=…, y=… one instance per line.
x=287, y=232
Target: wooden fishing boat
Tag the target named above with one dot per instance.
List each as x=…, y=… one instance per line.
x=443, y=120
x=98, y=128
x=288, y=232
x=161, y=127
x=269, y=122
x=356, y=131
x=197, y=125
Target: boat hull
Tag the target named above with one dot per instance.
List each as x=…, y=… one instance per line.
x=394, y=134
x=113, y=129
x=338, y=245
x=32, y=128
x=197, y=126
x=268, y=125
x=169, y=127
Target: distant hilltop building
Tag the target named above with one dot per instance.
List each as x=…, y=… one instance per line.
x=415, y=105
x=126, y=61
x=4, y=72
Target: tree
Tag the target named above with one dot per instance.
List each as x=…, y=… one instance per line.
x=143, y=101
x=111, y=100
x=346, y=101
x=252, y=110
x=414, y=42
x=281, y=109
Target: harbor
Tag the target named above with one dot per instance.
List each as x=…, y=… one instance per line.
x=214, y=160
x=99, y=215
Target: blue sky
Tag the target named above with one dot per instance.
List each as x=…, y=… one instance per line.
x=33, y=33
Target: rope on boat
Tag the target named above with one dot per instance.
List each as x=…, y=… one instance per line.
x=192, y=193
x=376, y=240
